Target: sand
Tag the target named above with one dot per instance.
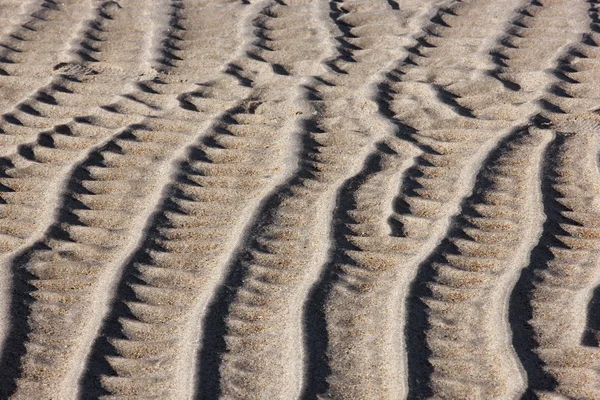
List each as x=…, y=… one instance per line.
x=299, y=199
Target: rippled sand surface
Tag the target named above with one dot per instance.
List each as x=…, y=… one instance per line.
x=299, y=199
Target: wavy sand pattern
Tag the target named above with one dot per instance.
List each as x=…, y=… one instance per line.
x=300, y=199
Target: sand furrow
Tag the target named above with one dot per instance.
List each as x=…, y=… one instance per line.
x=359, y=328
x=428, y=95
x=35, y=44
x=463, y=287
x=40, y=157
x=34, y=173
x=95, y=222
x=427, y=187
x=170, y=279
x=29, y=166
x=273, y=199
x=514, y=103
x=355, y=363
x=432, y=189
x=70, y=268
x=91, y=74
x=279, y=262
x=552, y=307
x=553, y=293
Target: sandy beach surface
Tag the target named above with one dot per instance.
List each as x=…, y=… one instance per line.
x=299, y=199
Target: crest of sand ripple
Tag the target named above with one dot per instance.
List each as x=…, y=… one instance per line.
x=563, y=272
x=34, y=172
x=36, y=41
x=101, y=64
x=101, y=204
x=465, y=284
x=553, y=309
x=154, y=328
x=449, y=68
x=196, y=203
x=259, y=308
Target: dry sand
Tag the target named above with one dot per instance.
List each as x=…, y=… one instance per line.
x=296, y=199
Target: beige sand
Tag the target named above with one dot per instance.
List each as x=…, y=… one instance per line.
x=299, y=199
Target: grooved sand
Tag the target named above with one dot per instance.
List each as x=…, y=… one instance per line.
x=299, y=199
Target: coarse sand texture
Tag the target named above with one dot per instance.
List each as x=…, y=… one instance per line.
x=300, y=199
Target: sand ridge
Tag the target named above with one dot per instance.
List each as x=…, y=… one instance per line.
x=275, y=199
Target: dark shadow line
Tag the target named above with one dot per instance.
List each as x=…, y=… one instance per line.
x=316, y=338
x=520, y=307
x=418, y=352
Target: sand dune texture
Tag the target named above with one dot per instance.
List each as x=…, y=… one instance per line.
x=300, y=199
